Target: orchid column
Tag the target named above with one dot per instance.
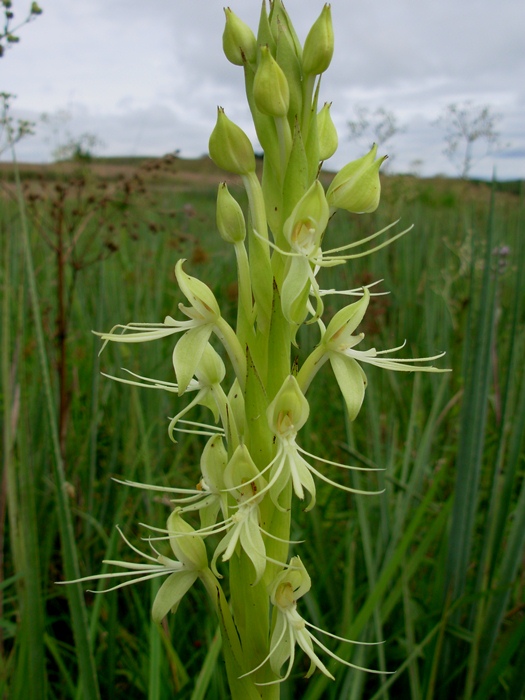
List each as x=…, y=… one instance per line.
x=252, y=464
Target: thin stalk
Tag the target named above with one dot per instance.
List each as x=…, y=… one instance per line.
x=473, y=420
x=308, y=91
x=32, y=604
x=88, y=676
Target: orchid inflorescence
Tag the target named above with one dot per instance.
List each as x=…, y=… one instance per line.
x=253, y=465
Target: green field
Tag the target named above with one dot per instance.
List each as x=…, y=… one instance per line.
x=433, y=566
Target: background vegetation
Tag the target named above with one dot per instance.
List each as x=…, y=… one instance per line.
x=434, y=566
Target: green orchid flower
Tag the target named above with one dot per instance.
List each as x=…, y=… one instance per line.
x=291, y=630
x=338, y=345
x=286, y=415
x=182, y=572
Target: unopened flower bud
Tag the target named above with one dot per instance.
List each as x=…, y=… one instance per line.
x=238, y=40
x=356, y=187
x=230, y=219
x=289, y=410
x=327, y=133
x=189, y=550
x=214, y=459
x=230, y=148
x=270, y=87
x=319, y=45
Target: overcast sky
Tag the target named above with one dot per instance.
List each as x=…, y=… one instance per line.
x=146, y=76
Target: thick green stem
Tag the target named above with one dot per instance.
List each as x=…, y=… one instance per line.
x=285, y=141
x=259, y=253
x=238, y=659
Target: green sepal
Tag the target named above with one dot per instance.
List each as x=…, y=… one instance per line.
x=352, y=382
x=209, y=402
x=197, y=293
x=295, y=290
x=210, y=370
x=345, y=321
x=188, y=353
x=305, y=227
x=213, y=462
x=241, y=472
x=289, y=410
x=281, y=651
x=187, y=546
x=171, y=593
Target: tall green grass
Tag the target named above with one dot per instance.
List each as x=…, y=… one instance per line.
x=434, y=566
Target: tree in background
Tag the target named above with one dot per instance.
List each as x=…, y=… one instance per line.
x=7, y=33
x=374, y=126
x=65, y=145
x=467, y=126
x=12, y=130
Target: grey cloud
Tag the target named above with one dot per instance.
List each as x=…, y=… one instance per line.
x=148, y=76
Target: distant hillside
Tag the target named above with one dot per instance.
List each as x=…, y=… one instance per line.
x=198, y=173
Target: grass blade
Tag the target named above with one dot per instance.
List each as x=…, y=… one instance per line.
x=74, y=592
